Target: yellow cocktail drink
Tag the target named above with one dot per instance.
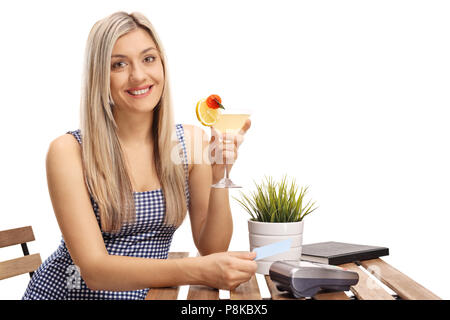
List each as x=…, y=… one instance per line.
x=209, y=113
x=229, y=122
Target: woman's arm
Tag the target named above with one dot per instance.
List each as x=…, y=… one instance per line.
x=224, y=270
x=210, y=213
x=101, y=271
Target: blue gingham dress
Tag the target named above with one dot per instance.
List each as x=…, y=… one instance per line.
x=147, y=237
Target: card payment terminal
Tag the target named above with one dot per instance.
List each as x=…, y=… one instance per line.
x=305, y=279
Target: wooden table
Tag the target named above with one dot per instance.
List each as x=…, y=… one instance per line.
x=403, y=287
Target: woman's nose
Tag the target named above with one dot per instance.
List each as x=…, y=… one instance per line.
x=137, y=74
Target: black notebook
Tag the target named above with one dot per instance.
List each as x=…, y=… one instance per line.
x=336, y=253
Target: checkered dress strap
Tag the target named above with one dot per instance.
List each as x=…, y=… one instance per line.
x=180, y=135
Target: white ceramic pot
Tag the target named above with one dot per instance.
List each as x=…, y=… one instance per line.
x=264, y=233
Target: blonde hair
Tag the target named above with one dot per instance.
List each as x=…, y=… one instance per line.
x=106, y=176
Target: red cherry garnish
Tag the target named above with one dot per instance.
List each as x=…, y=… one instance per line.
x=214, y=102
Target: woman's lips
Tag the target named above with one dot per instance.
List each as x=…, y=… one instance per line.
x=139, y=92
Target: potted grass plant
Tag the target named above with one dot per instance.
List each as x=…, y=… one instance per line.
x=277, y=210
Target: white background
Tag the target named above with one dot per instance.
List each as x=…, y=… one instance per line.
x=349, y=97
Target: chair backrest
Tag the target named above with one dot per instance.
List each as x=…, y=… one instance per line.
x=28, y=263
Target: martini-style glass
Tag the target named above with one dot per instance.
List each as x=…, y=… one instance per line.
x=229, y=122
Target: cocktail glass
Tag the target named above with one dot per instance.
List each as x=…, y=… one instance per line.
x=229, y=122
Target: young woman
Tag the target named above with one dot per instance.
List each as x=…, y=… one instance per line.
x=122, y=184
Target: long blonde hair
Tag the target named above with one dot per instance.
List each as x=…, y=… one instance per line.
x=106, y=176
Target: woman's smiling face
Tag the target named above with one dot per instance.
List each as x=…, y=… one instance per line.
x=137, y=73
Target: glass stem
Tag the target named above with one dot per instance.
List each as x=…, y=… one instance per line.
x=226, y=172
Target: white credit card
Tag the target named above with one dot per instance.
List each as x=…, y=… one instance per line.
x=272, y=249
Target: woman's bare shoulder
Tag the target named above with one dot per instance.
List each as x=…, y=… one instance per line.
x=191, y=130
x=187, y=127
x=64, y=148
x=193, y=136
x=65, y=140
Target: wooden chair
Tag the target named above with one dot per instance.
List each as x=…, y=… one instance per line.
x=28, y=263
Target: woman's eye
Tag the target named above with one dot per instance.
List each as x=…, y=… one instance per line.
x=149, y=59
x=117, y=65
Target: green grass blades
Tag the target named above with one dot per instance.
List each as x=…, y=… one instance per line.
x=276, y=201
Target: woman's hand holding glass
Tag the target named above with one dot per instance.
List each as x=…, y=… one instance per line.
x=223, y=151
